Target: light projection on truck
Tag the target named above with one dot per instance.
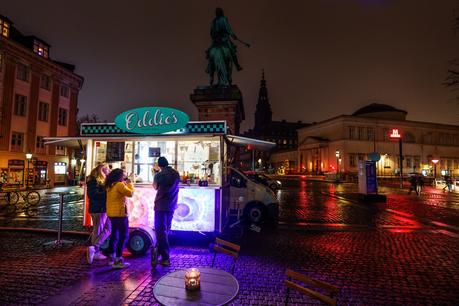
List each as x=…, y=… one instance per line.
x=195, y=212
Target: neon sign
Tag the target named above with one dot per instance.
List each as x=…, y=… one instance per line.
x=151, y=120
x=395, y=134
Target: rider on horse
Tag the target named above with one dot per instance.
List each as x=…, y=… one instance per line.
x=221, y=35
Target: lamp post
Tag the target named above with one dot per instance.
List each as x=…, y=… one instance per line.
x=396, y=135
x=73, y=163
x=435, y=161
x=337, y=154
x=29, y=157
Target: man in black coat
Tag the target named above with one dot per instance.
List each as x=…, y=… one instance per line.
x=166, y=182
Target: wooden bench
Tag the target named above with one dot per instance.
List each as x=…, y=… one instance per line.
x=228, y=248
x=290, y=284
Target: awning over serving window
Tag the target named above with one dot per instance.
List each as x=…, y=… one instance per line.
x=69, y=142
x=250, y=143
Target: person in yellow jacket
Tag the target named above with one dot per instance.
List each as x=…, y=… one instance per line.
x=119, y=188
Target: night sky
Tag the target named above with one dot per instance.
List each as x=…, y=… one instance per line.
x=322, y=58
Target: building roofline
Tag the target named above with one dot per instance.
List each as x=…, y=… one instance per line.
x=382, y=120
x=24, y=52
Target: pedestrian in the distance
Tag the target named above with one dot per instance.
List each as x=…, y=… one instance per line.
x=420, y=184
x=119, y=188
x=97, y=196
x=446, y=178
x=166, y=182
x=413, y=184
x=449, y=183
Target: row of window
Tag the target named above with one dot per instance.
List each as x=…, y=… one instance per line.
x=17, y=144
x=368, y=133
x=20, y=109
x=22, y=73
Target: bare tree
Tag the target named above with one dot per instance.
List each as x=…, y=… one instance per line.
x=93, y=118
x=452, y=81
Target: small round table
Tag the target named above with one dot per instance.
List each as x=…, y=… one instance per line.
x=218, y=287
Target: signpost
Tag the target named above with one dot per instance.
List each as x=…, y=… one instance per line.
x=396, y=135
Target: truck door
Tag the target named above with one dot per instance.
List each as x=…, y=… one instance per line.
x=238, y=192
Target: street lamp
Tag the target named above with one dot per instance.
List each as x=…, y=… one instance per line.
x=396, y=135
x=435, y=161
x=337, y=154
x=73, y=163
x=29, y=157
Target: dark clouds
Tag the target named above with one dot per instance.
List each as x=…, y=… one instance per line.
x=322, y=57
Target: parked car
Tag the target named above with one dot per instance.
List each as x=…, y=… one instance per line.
x=264, y=179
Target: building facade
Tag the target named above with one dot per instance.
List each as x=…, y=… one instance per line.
x=38, y=99
x=337, y=144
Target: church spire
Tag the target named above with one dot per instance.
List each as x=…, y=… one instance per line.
x=263, y=113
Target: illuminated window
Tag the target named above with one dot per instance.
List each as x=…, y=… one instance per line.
x=370, y=133
x=361, y=133
x=4, y=28
x=41, y=49
x=45, y=82
x=408, y=162
x=386, y=134
x=351, y=132
x=40, y=145
x=60, y=150
x=64, y=91
x=17, y=141
x=416, y=162
x=20, y=105
x=408, y=137
x=352, y=160
x=43, y=111
x=62, y=119
x=22, y=72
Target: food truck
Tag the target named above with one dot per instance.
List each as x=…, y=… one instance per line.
x=198, y=150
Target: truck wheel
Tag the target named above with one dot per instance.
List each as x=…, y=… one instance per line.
x=255, y=212
x=139, y=242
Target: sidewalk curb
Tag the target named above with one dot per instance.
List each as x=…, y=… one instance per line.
x=42, y=230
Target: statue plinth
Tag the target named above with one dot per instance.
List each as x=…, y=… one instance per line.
x=220, y=103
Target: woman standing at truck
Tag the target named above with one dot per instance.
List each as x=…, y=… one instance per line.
x=97, y=209
x=119, y=188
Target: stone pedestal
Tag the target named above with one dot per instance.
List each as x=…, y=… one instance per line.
x=220, y=103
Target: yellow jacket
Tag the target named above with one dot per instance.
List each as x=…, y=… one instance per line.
x=117, y=199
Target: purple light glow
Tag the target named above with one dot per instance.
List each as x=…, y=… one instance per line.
x=195, y=212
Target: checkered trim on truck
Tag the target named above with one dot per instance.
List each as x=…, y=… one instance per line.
x=108, y=129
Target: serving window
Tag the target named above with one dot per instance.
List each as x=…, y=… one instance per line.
x=195, y=159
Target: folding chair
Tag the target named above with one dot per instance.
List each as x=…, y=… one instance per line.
x=228, y=248
x=292, y=275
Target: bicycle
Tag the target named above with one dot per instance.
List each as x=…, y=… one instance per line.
x=29, y=198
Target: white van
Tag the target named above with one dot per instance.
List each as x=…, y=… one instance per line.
x=252, y=201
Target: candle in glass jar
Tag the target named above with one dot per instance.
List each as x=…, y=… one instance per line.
x=192, y=279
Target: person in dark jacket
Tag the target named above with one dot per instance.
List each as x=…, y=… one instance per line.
x=97, y=196
x=166, y=182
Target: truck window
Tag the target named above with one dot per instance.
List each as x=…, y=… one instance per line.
x=237, y=180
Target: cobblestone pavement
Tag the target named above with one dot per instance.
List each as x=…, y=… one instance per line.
x=403, y=252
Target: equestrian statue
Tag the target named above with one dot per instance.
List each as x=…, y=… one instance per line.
x=222, y=53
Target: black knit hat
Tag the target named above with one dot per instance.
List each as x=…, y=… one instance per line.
x=162, y=162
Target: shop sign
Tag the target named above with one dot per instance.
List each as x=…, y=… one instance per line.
x=395, y=134
x=151, y=120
